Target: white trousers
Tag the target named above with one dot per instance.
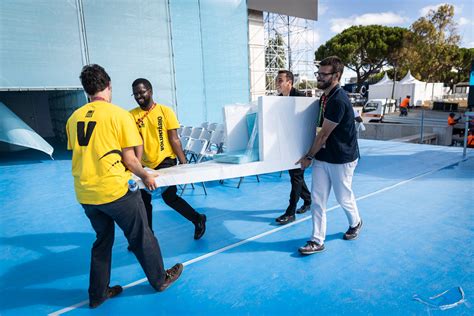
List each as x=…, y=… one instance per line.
x=339, y=176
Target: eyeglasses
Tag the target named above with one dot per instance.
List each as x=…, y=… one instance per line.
x=323, y=74
x=136, y=94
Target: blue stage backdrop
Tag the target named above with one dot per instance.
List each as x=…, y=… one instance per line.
x=195, y=52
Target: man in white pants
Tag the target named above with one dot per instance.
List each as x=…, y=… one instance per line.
x=335, y=154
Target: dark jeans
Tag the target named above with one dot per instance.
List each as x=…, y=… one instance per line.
x=298, y=189
x=171, y=199
x=129, y=214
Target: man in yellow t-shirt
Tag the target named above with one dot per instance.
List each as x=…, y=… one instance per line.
x=102, y=137
x=158, y=126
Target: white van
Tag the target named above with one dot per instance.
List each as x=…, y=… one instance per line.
x=375, y=109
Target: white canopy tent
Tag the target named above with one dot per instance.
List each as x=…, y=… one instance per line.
x=381, y=89
x=419, y=91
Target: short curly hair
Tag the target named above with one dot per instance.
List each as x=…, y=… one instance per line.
x=335, y=62
x=289, y=75
x=144, y=82
x=94, y=79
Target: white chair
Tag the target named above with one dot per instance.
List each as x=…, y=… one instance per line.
x=207, y=135
x=196, y=132
x=186, y=131
x=216, y=142
x=196, y=149
x=220, y=127
x=212, y=126
x=184, y=143
x=214, y=145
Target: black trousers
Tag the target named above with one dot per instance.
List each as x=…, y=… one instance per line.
x=171, y=199
x=129, y=214
x=298, y=190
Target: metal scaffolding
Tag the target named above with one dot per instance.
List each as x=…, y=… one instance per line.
x=289, y=44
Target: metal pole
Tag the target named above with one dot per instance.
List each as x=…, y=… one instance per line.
x=466, y=129
x=394, y=79
x=422, y=124
x=289, y=46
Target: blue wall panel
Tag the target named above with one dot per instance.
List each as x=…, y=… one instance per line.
x=225, y=50
x=211, y=57
x=194, y=52
x=186, y=40
x=131, y=40
x=39, y=44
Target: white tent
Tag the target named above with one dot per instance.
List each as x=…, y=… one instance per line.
x=381, y=89
x=419, y=91
x=15, y=133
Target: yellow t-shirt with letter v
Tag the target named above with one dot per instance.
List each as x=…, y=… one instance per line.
x=96, y=134
x=153, y=126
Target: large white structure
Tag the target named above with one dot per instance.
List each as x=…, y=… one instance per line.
x=286, y=129
x=419, y=91
x=382, y=89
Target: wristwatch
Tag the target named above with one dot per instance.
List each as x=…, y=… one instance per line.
x=309, y=157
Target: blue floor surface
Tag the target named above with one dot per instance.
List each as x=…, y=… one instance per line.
x=416, y=202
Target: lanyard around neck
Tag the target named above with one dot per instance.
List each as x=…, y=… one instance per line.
x=140, y=120
x=322, y=105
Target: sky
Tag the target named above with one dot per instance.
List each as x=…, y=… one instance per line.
x=336, y=15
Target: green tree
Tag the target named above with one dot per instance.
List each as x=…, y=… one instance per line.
x=433, y=45
x=462, y=64
x=365, y=49
x=275, y=59
x=305, y=84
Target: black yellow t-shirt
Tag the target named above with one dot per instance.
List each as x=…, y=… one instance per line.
x=154, y=128
x=97, y=132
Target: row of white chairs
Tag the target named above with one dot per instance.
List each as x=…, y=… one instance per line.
x=201, y=143
x=215, y=138
x=194, y=149
x=197, y=132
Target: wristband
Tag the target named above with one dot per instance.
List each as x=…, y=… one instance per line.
x=309, y=157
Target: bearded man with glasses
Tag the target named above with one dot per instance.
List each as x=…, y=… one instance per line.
x=334, y=155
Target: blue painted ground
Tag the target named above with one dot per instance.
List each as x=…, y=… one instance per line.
x=416, y=202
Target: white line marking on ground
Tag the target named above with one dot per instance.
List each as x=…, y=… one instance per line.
x=245, y=241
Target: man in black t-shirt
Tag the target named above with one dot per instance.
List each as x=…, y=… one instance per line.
x=284, y=83
x=335, y=154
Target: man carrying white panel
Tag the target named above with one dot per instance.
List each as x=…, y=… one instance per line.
x=334, y=154
x=158, y=125
x=284, y=83
x=102, y=137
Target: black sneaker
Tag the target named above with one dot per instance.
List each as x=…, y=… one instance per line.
x=310, y=248
x=353, y=232
x=285, y=219
x=171, y=276
x=303, y=209
x=111, y=292
x=200, y=227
